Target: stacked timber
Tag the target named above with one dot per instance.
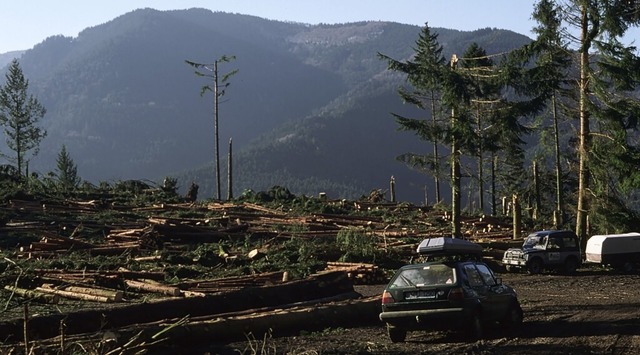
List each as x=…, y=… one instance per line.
x=318, y=289
x=359, y=273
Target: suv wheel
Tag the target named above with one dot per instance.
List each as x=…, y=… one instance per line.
x=535, y=266
x=625, y=267
x=396, y=334
x=570, y=266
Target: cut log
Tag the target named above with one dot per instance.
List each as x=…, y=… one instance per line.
x=74, y=295
x=283, y=321
x=112, y=295
x=34, y=295
x=148, y=258
x=150, y=287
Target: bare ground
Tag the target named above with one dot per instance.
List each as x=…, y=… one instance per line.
x=594, y=312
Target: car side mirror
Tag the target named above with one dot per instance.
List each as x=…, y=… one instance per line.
x=498, y=280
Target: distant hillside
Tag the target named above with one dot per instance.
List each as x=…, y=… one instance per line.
x=6, y=58
x=309, y=108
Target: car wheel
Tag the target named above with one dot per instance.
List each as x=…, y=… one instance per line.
x=513, y=318
x=475, y=329
x=508, y=268
x=396, y=334
x=570, y=266
x=535, y=266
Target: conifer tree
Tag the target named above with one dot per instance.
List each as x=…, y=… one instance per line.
x=19, y=114
x=461, y=83
x=553, y=63
x=429, y=70
x=607, y=111
x=423, y=75
x=66, y=171
x=543, y=75
x=485, y=96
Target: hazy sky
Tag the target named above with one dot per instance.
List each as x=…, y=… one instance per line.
x=25, y=23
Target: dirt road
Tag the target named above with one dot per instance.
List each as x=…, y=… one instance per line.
x=594, y=312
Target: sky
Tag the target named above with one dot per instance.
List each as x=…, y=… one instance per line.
x=25, y=23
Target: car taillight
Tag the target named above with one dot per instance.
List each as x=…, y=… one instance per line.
x=387, y=298
x=456, y=294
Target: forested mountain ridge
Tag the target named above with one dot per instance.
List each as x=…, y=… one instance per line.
x=6, y=58
x=309, y=108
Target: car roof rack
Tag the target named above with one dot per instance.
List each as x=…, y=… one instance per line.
x=450, y=248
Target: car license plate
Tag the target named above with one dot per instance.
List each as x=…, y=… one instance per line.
x=412, y=295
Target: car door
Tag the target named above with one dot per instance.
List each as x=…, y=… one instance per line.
x=498, y=296
x=492, y=295
x=554, y=249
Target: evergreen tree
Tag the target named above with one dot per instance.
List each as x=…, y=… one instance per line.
x=460, y=87
x=423, y=75
x=543, y=75
x=454, y=87
x=485, y=97
x=19, y=114
x=553, y=63
x=66, y=171
x=607, y=110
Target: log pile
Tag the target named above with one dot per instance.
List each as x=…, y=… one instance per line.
x=359, y=273
x=157, y=232
x=149, y=237
x=124, y=285
x=271, y=297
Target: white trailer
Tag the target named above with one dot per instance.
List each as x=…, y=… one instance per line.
x=621, y=251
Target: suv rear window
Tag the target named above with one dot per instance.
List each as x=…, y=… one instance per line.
x=428, y=275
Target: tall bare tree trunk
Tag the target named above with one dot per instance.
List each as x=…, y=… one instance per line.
x=556, y=132
x=230, y=172
x=583, y=148
x=536, y=186
x=215, y=127
x=480, y=167
x=436, y=158
x=455, y=169
x=455, y=181
x=494, y=163
x=516, y=210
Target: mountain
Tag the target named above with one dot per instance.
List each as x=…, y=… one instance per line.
x=309, y=108
x=6, y=58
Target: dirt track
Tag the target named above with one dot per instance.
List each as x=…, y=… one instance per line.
x=593, y=312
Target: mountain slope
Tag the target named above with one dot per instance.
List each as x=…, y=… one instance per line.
x=309, y=108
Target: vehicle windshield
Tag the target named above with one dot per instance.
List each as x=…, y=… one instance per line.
x=428, y=275
x=533, y=241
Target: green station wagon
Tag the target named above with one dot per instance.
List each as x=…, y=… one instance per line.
x=452, y=290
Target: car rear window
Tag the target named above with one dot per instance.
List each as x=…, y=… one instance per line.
x=473, y=275
x=479, y=275
x=428, y=275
